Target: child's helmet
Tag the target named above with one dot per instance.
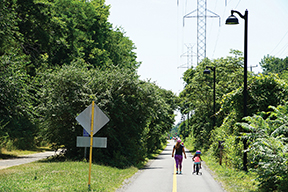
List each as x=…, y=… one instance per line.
x=198, y=152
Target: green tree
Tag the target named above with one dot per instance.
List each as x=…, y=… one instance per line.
x=40, y=36
x=139, y=112
x=197, y=95
x=9, y=30
x=263, y=91
x=268, y=148
x=272, y=64
x=57, y=32
x=82, y=31
x=16, y=104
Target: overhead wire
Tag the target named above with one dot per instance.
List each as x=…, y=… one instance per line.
x=282, y=50
x=178, y=60
x=279, y=42
x=237, y=4
x=219, y=30
x=209, y=34
x=218, y=33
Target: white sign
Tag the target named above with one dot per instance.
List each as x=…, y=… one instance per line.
x=100, y=119
x=99, y=142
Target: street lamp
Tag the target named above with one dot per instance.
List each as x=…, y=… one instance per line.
x=207, y=71
x=232, y=20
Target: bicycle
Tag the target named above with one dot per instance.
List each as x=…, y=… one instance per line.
x=197, y=169
x=197, y=162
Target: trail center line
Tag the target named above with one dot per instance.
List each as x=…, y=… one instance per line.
x=174, y=180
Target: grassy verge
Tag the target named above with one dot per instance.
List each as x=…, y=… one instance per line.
x=232, y=180
x=62, y=176
x=5, y=154
x=65, y=176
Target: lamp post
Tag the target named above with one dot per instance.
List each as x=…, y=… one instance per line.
x=232, y=20
x=207, y=71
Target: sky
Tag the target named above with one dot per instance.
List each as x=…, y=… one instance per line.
x=163, y=40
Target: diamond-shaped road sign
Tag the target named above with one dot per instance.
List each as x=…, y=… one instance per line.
x=100, y=119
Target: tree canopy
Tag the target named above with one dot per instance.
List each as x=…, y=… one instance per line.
x=264, y=127
x=56, y=56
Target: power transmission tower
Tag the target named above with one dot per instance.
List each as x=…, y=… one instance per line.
x=189, y=54
x=201, y=27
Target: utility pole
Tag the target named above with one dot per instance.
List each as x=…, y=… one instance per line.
x=252, y=67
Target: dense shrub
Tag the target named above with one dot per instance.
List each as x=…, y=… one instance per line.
x=268, y=147
x=139, y=112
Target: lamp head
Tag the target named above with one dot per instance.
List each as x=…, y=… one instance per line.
x=206, y=71
x=232, y=20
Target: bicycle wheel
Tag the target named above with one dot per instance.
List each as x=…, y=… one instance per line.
x=197, y=169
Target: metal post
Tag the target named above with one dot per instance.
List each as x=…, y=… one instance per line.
x=245, y=17
x=245, y=83
x=91, y=145
x=214, y=98
x=214, y=91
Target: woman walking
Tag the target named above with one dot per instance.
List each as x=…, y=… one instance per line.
x=178, y=155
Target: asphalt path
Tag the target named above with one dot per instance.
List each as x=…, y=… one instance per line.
x=159, y=175
x=25, y=159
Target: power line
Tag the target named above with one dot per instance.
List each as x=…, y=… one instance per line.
x=219, y=30
x=279, y=42
x=283, y=49
x=216, y=41
x=237, y=4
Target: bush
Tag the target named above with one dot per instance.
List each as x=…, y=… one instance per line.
x=268, y=147
x=139, y=112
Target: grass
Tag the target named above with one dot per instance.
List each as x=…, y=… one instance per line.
x=62, y=176
x=6, y=154
x=65, y=176
x=73, y=176
x=232, y=180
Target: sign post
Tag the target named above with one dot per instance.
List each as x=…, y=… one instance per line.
x=91, y=144
x=85, y=134
x=92, y=123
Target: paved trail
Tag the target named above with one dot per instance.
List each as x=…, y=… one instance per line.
x=160, y=176
x=25, y=159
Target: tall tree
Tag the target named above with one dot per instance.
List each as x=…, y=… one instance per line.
x=139, y=111
x=272, y=64
x=197, y=95
x=16, y=104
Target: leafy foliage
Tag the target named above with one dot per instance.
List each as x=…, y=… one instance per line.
x=269, y=147
x=265, y=127
x=56, y=57
x=139, y=112
x=263, y=90
x=271, y=64
x=16, y=101
x=198, y=94
x=57, y=32
x=260, y=97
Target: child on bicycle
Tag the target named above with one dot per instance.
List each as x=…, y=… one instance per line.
x=197, y=159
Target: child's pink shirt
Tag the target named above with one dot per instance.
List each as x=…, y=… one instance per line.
x=197, y=159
